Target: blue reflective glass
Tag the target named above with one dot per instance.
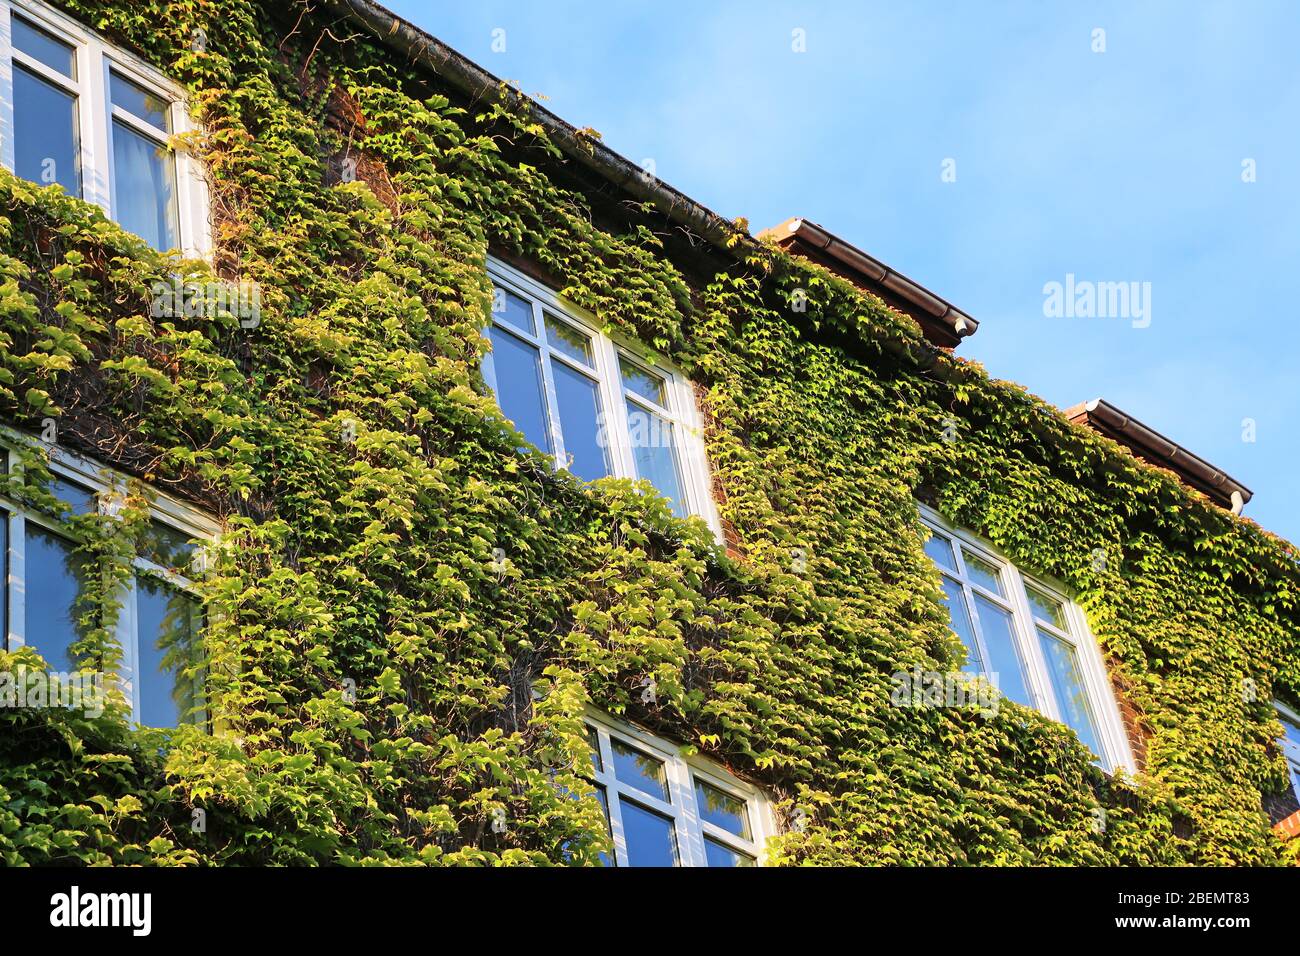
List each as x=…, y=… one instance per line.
x=1004, y=661
x=650, y=837
x=567, y=340
x=601, y=798
x=722, y=809
x=638, y=381
x=165, y=546
x=655, y=454
x=581, y=422
x=513, y=310
x=939, y=549
x=139, y=102
x=982, y=573
x=959, y=618
x=1067, y=684
x=519, y=389
x=167, y=620
x=44, y=47
x=46, y=145
x=79, y=499
x=144, y=187
x=715, y=854
x=639, y=770
x=53, y=578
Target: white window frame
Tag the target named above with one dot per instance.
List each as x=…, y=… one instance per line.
x=1109, y=724
x=1290, y=750
x=607, y=349
x=95, y=58
x=108, y=488
x=681, y=773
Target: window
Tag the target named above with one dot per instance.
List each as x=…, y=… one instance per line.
x=598, y=407
x=667, y=810
x=1291, y=742
x=160, y=621
x=1027, y=638
x=98, y=122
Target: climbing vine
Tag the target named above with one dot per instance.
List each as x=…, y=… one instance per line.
x=384, y=684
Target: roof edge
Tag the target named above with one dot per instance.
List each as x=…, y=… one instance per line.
x=1148, y=443
x=471, y=79
x=953, y=324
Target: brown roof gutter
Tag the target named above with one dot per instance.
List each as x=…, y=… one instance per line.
x=1149, y=445
x=943, y=323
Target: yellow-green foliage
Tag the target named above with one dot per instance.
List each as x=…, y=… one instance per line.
x=372, y=561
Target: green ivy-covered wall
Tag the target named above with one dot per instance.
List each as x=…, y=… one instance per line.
x=364, y=477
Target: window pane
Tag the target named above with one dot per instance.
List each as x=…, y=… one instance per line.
x=650, y=838
x=1067, y=683
x=512, y=310
x=1045, y=607
x=718, y=855
x=639, y=770
x=165, y=546
x=1291, y=747
x=567, y=340
x=581, y=422
x=1290, y=737
x=655, y=455
x=722, y=809
x=167, y=621
x=54, y=575
x=954, y=598
x=982, y=573
x=79, y=499
x=1000, y=642
x=138, y=101
x=46, y=145
x=939, y=549
x=42, y=46
x=144, y=187
x=520, y=392
x=638, y=381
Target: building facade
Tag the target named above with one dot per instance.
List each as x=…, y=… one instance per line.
x=395, y=473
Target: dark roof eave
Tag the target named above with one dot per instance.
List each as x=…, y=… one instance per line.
x=1148, y=443
x=953, y=323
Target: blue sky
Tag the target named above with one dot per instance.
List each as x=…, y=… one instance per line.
x=1119, y=166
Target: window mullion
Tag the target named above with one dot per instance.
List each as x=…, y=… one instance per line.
x=127, y=633
x=548, y=387
x=96, y=145
x=690, y=445
x=17, y=617
x=616, y=824
x=972, y=609
x=150, y=132
x=1031, y=649
x=8, y=156
x=616, y=427
x=686, y=818
x=39, y=69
